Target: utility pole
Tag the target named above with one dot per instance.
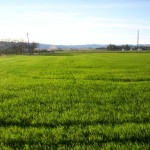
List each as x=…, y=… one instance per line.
x=138, y=40
x=28, y=43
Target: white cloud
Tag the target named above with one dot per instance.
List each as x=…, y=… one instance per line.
x=70, y=25
x=118, y=4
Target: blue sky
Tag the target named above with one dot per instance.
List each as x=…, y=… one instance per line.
x=76, y=21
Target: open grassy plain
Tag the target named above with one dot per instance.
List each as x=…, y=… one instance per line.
x=75, y=101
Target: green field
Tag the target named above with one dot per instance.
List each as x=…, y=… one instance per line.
x=75, y=101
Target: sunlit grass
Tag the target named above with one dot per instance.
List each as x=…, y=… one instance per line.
x=75, y=100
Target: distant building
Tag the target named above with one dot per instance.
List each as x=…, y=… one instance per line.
x=53, y=48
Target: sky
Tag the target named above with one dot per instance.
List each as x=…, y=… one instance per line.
x=76, y=22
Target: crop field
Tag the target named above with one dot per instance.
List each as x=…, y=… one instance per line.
x=75, y=101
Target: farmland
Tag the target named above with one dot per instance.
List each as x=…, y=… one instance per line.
x=75, y=101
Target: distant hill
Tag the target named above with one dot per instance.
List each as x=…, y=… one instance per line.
x=44, y=46
x=87, y=46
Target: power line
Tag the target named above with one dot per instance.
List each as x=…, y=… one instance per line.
x=138, y=40
x=28, y=43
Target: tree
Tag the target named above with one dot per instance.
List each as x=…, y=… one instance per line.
x=111, y=47
x=126, y=47
x=5, y=46
x=16, y=47
x=33, y=45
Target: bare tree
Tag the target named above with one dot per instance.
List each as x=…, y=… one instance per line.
x=16, y=47
x=33, y=45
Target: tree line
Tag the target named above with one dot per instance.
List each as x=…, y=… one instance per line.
x=126, y=47
x=17, y=47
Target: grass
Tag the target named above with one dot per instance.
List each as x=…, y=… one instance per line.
x=75, y=101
